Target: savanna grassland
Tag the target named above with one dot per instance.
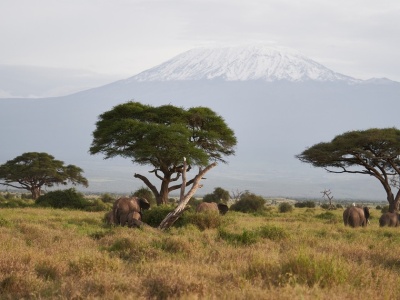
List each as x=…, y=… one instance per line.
x=303, y=254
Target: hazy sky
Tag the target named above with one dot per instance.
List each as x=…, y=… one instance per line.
x=359, y=38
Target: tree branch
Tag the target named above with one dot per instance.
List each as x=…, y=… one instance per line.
x=170, y=219
x=147, y=182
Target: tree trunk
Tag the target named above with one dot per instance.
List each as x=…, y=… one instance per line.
x=170, y=219
x=162, y=197
x=35, y=190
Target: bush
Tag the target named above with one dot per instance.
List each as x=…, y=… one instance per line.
x=146, y=193
x=385, y=209
x=201, y=221
x=107, y=198
x=219, y=195
x=63, y=199
x=155, y=215
x=249, y=203
x=285, y=207
x=97, y=205
x=309, y=204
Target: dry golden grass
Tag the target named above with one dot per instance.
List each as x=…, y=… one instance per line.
x=304, y=254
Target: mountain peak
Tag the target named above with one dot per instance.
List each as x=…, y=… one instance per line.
x=241, y=63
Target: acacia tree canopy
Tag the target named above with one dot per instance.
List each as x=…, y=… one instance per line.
x=161, y=137
x=32, y=170
x=374, y=152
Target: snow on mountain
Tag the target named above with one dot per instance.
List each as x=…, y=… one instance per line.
x=254, y=62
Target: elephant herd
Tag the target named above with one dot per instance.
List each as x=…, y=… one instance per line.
x=356, y=216
x=128, y=211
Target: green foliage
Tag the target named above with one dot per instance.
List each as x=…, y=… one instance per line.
x=160, y=136
x=156, y=214
x=219, y=196
x=385, y=209
x=97, y=205
x=32, y=170
x=144, y=192
x=246, y=237
x=329, y=216
x=249, y=203
x=308, y=203
x=201, y=221
x=373, y=152
x=63, y=199
x=285, y=207
x=107, y=198
x=16, y=202
x=274, y=233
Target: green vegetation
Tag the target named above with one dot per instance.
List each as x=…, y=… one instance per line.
x=249, y=203
x=69, y=198
x=285, y=207
x=219, y=195
x=32, y=170
x=49, y=253
x=159, y=137
x=374, y=152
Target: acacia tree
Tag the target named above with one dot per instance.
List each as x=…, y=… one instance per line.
x=32, y=170
x=160, y=137
x=374, y=152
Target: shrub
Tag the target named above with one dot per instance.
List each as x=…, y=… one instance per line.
x=309, y=204
x=107, y=198
x=63, y=199
x=245, y=238
x=385, y=209
x=201, y=221
x=155, y=215
x=249, y=203
x=97, y=205
x=219, y=195
x=285, y=207
x=273, y=232
x=146, y=193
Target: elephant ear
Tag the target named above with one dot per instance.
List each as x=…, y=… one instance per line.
x=366, y=212
x=223, y=208
x=143, y=203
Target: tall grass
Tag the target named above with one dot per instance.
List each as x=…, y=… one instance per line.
x=303, y=254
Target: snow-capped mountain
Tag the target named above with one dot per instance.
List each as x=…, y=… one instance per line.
x=241, y=63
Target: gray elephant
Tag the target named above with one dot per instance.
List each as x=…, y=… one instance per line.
x=109, y=218
x=389, y=219
x=212, y=207
x=356, y=216
x=128, y=210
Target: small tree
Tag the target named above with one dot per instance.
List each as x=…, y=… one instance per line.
x=374, y=152
x=219, y=195
x=31, y=171
x=249, y=203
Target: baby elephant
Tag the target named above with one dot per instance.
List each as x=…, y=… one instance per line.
x=212, y=207
x=389, y=219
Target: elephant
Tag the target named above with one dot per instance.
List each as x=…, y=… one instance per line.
x=389, y=219
x=128, y=210
x=356, y=216
x=212, y=207
x=134, y=219
x=109, y=218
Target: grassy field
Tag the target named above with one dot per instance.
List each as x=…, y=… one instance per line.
x=304, y=254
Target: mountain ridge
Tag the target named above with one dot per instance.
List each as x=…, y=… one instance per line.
x=241, y=63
